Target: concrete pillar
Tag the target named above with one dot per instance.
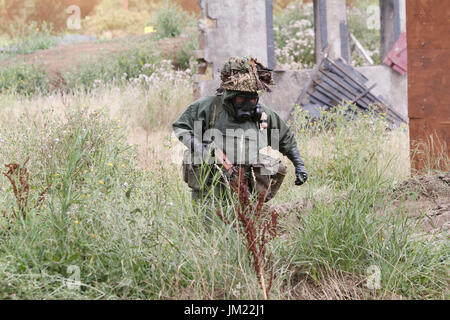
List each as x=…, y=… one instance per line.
x=270, y=35
x=231, y=28
x=393, y=23
x=331, y=28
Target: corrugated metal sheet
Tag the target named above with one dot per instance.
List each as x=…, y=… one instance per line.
x=428, y=30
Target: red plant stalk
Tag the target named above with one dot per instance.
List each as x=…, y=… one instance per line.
x=257, y=233
x=19, y=178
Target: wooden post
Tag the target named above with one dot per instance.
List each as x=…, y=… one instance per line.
x=428, y=82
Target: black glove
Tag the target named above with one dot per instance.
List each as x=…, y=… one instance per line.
x=300, y=170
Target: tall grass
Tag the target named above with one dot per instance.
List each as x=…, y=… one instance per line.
x=431, y=155
x=356, y=226
x=130, y=232
x=120, y=214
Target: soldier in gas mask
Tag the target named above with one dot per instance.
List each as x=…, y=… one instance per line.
x=245, y=127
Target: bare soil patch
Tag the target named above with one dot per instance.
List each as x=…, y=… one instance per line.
x=337, y=286
x=56, y=61
x=427, y=198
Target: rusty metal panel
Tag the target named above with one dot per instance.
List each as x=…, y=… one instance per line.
x=428, y=29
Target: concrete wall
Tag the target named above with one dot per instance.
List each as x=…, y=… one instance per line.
x=390, y=84
x=219, y=40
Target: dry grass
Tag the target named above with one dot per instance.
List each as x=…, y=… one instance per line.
x=431, y=154
x=143, y=111
x=336, y=286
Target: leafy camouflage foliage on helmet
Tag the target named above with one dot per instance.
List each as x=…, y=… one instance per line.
x=245, y=74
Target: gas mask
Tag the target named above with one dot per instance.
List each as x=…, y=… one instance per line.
x=246, y=107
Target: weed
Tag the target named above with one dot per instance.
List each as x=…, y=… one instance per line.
x=23, y=79
x=19, y=177
x=256, y=230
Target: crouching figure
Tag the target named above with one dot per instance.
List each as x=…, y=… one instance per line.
x=229, y=130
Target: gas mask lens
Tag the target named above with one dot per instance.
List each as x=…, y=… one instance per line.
x=242, y=101
x=245, y=107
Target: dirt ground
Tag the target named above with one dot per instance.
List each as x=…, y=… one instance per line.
x=427, y=198
x=337, y=286
x=63, y=58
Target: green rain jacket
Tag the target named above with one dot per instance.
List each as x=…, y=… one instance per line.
x=203, y=110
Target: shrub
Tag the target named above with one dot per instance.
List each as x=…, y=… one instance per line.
x=294, y=33
x=294, y=36
x=185, y=57
x=25, y=79
x=170, y=20
x=30, y=38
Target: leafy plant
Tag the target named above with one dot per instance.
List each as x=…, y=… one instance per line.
x=170, y=20
x=24, y=79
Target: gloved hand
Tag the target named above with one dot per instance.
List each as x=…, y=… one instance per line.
x=301, y=176
x=196, y=146
x=300, y=170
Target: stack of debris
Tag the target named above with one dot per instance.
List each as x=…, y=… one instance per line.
x=335, y=82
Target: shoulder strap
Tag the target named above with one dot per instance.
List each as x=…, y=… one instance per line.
x=217, y=108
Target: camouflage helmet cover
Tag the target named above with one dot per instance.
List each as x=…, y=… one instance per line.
x=245, y=74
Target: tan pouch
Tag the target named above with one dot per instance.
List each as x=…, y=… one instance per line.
x=269, y=175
